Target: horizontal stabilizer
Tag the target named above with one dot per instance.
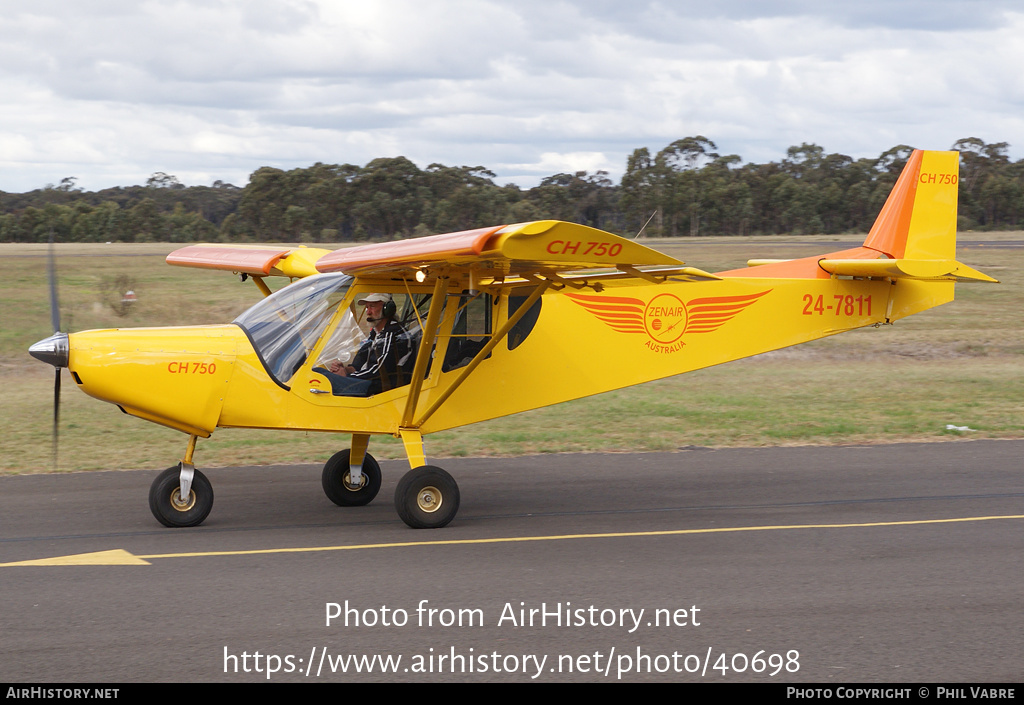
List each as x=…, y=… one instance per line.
x=919, y=269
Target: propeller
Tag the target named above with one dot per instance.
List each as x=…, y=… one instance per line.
x=55, y=324
x=54, y=305
x=54, y=350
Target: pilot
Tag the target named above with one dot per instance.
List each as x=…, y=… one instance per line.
x=377, y=365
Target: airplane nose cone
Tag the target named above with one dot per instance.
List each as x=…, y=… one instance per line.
x=53, y=350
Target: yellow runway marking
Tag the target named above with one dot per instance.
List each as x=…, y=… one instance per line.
x=115, y=557
x=121, y=557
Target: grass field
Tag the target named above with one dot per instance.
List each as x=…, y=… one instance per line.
x=956, y=365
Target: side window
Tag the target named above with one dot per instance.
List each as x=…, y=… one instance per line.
x=524, y=326
x=412, y=313
x=471, y=331
x=285, y=326
x=373, y=345
x=345, y=340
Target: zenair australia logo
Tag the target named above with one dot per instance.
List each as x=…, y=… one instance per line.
x=666, y=318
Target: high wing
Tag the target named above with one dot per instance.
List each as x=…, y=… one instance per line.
x=565, y=253
x=558, y=251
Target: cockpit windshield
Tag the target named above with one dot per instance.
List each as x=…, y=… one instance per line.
x=286, y=325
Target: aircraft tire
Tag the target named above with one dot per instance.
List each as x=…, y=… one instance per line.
x=164, y=494
x=427, y=497
x=339, y=491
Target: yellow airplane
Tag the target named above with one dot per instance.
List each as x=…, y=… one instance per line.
x=411, y=337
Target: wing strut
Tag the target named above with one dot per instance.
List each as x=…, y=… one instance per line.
x=261, y=285
x=480, y=356
x=419, y=370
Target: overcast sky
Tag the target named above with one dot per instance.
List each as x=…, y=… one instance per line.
x=111, y=91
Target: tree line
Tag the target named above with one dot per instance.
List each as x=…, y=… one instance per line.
x=686, y=189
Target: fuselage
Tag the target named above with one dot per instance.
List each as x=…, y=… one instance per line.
x=580, y=343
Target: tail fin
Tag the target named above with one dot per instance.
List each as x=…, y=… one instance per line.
x=916, y=229
x=914, y=236
x=918, y=220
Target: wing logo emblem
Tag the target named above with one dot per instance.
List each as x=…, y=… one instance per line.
x=665, y=318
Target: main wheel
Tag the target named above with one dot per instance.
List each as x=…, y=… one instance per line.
x=338, y=485
x=427, y=498
x=167, y=505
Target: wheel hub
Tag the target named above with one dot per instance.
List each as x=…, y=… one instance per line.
x=182, y=506
x=349, y=485
x=429, y=499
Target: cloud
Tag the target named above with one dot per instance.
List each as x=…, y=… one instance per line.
x=111, y=92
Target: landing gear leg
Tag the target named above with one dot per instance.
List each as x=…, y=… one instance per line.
x=181, y=495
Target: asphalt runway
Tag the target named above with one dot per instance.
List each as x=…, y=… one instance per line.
x=897, y=563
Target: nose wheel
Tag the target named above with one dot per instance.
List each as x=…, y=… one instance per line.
x=171, y=508
x=427, y=497
x=339, y=486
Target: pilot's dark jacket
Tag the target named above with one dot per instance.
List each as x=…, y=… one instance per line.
x=382, y=357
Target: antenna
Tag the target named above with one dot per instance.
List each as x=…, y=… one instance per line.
x=647, y=223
